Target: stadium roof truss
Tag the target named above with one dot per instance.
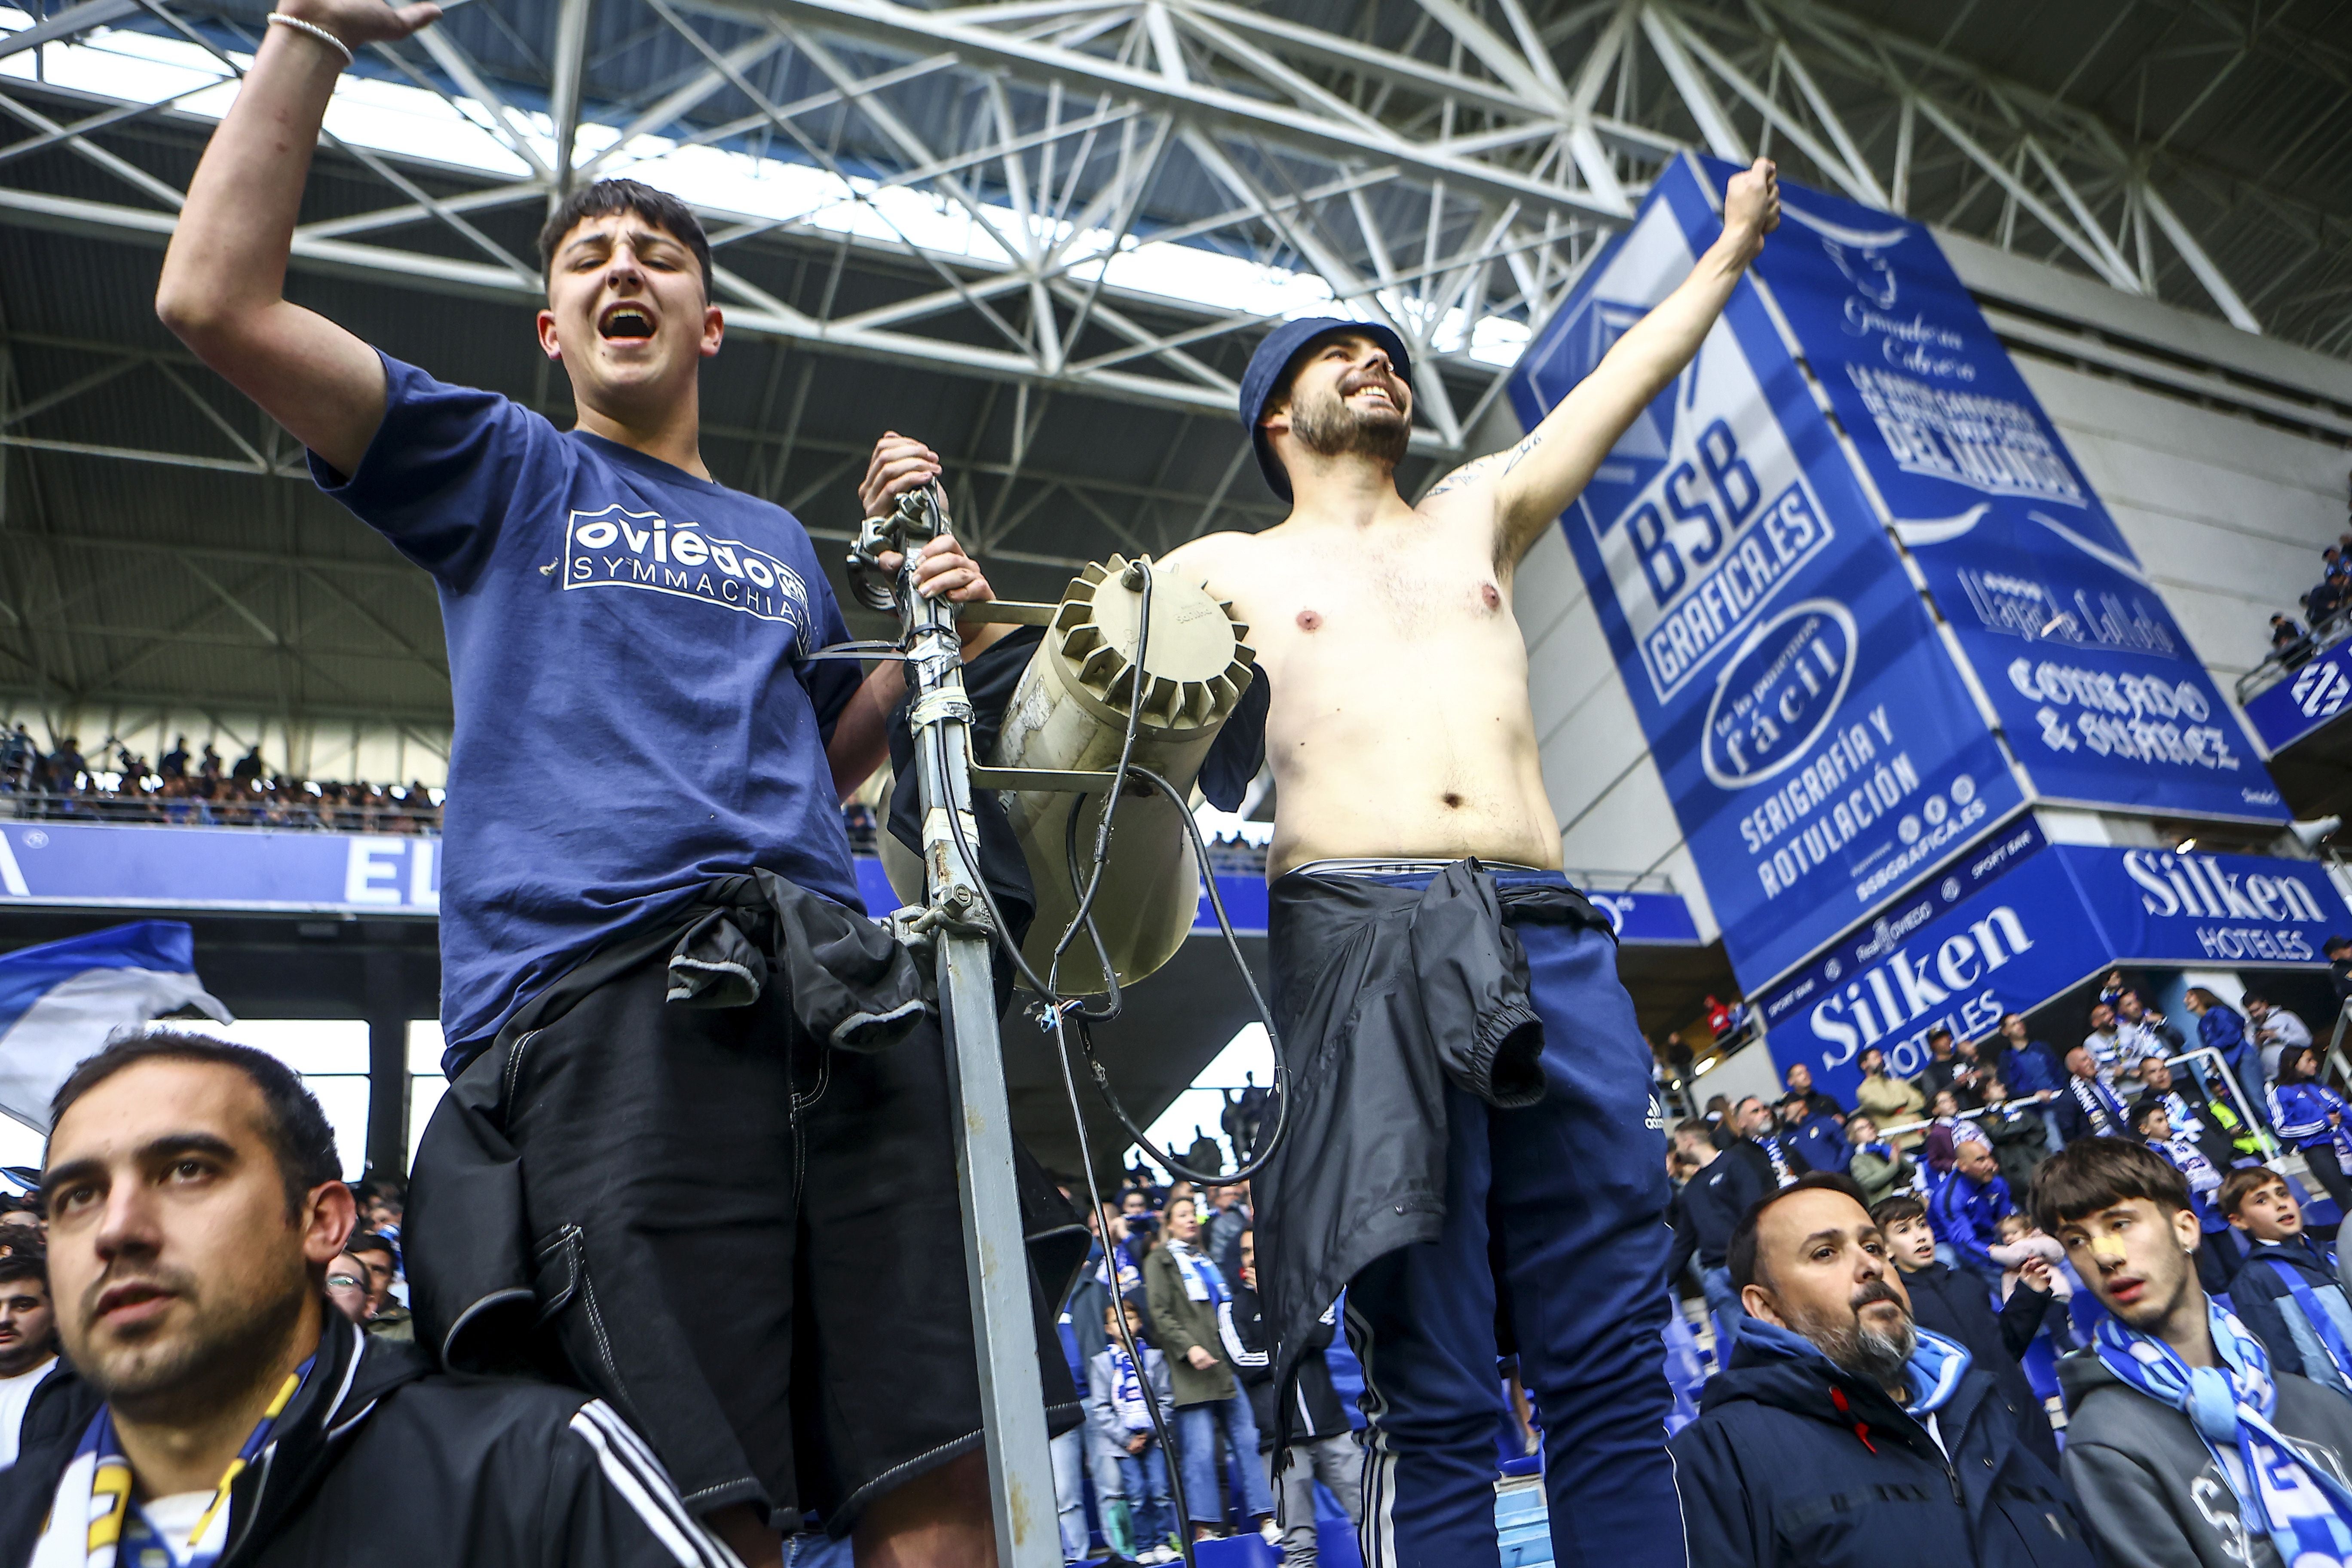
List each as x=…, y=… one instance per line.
x=1106, y=200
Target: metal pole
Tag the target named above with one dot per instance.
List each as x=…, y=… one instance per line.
x=996, y=1264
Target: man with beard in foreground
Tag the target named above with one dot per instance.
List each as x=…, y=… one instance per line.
x=1842, y=1434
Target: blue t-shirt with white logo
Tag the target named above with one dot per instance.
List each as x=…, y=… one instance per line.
x=635, y=713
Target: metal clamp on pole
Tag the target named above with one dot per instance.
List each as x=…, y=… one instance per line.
x=956, y=921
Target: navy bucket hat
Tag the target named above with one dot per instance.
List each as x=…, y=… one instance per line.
x=1273, y=356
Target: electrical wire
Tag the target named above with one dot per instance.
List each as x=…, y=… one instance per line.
x=1056, y=1013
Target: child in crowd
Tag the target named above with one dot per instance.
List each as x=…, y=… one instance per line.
x=2217, y=1259
x=1957, y=1304
x=2287, y=1290
x=1878, y=1167
x=1948, y=1130
x=2021, y=1239
x=1140, y=1524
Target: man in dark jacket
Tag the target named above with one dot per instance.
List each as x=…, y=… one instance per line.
x=1843, y=1437
x=2019, y=1136
x=2086, y=1107
x=1959, y=1306
x=193, y=1206
x=1705, y=1214
x=1322, y=1439
x=1769, y=1158
x=1799, y=1080
x=1819, y=1141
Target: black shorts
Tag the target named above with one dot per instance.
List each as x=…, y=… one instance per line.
x=752, y=1247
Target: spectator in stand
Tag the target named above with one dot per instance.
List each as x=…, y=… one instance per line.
x=2027, y=1065
x=1229, y=1220
x=1889, y=1100
x=2217, y=1258
x=1966, y=1208
x=2020, y=1243
x=2190, y=1115
x=1767, y=1154
x=1834, y=1396
x=1955, y=1303
x=1068, y=1451
x=2158, y=1035
x=2290, y=644
x=2020, y=1138
x=67, y=766
x=1800, y=1082
x=29, y=1349
x=2112, y=1046
x=1324, y=1446
x=1705, y=1213
x=1877, y=1167
x=2275, y=1030
x=1718, y=1121
x=2088, y=1108
x=1948, y=1133
x=1190, y=1304
x=2175, y=1393
x=2309, y=1115
x=386, y=1318
x=1136, y=1518
x=348, y=1288
x=384, y=1202
x=1720, y=1021
x=195, y=1207
x=2286, y=1289
x=2220, y=1028
x=1945, y=1070
x=174, y=765
x=1818, y=1139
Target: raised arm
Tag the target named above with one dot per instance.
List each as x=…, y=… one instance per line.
x=1532, y=483
x=223, y=289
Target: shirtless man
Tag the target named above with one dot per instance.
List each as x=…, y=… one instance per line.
x=1402, y=739
x=1403, y=743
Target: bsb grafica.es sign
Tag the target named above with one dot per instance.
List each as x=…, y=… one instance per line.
x=1823, y=750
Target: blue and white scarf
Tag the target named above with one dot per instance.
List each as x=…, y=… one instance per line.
x=2306, y=1511
x=1934, y=1373
x=1126, y=1391
x=95, y=1523
x=1203, y=1279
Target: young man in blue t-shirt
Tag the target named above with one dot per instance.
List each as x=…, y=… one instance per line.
x=739, y=1237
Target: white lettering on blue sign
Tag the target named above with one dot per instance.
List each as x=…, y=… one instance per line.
x=1909, y=987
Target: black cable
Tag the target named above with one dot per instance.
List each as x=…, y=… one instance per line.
x=1085, y=913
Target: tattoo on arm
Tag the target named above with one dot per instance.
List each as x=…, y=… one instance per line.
x=1466, y=474
x=1494, y=465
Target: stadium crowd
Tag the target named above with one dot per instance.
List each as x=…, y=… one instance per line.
x=2064, y=1308
x=202, y=789
x=2325, y=605
x=2047, y=1308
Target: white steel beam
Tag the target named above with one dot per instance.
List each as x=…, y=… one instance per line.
x=904, y=27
